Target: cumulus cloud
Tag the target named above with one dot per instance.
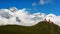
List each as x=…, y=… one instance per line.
x=14, y=16
x=53, y=18
x=42, y=2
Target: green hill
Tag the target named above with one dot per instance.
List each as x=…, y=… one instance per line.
x=41, y=28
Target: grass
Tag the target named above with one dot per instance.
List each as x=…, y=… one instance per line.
x=41, y=28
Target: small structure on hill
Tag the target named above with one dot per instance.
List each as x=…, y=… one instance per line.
x=47, y=20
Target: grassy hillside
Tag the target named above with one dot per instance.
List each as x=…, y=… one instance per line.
x=41, y=28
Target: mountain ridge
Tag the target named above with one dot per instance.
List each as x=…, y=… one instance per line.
x=43, y=27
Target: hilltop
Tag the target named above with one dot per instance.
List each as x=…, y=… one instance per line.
x=41, y=28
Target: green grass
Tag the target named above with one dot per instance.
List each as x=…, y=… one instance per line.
x=41, y=28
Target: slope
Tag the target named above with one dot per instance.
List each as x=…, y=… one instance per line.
x=41, y=28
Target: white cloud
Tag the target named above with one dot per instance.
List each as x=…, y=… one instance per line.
x=9, y=17
x=25, y=18
x=42, y=2
x=53, y=18
x=34, y=4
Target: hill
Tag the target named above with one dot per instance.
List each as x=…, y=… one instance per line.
x=41, y=28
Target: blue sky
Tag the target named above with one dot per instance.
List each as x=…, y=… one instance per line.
x=33, y=6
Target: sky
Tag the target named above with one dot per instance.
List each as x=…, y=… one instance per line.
x=33, y=6
x=29, y=12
